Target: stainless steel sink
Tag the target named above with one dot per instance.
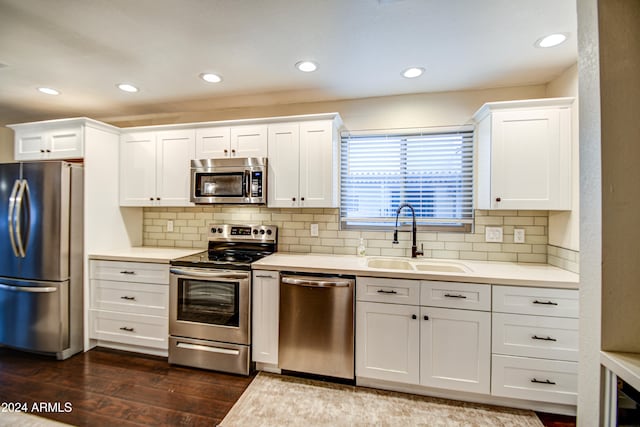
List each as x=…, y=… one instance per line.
x=389, y=264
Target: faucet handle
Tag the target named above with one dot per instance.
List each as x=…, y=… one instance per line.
x=395, y=237
x=421, y=251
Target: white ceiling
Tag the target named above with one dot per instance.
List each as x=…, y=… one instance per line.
x=84, y=48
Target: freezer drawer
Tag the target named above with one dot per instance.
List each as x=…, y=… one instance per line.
x=316, y=325
x=34, y=315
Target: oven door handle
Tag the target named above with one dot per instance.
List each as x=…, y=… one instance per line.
x=208, y=274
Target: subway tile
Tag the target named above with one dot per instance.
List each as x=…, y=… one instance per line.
x=538, y=258
x=445, y=254
x=518, y=220
x=502, y=256
x=458, y=246
x=470, y=255
x=489, y=220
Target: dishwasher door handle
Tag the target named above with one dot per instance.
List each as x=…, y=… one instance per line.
x=316, y=283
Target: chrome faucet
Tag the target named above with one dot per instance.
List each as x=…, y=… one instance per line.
x=414, y=247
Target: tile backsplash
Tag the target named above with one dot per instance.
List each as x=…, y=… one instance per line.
x=190, y=231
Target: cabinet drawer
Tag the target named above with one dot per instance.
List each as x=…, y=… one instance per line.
x=537, y=301
x=535, y=336
x=471, y=296
x=140, y=272
x=135, y=329
x=394, y=291
x=534, y=379
x=138, y=298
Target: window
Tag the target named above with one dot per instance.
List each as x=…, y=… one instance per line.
x=430, y=169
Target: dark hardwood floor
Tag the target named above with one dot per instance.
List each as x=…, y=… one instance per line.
x=109, y=388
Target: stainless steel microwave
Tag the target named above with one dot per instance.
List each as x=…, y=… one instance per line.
x=233, y=180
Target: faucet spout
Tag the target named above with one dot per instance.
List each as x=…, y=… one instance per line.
x=414, y=246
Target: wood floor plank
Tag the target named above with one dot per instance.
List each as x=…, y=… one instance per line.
x=114, y=388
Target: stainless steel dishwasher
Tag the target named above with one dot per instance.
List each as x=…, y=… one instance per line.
x=316, y=325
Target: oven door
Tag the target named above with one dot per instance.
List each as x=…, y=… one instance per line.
x=210, y=304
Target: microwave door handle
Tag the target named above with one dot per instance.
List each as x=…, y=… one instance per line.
x=247, y=183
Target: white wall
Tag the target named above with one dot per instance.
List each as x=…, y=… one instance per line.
x=564, y=227
x=6, y=145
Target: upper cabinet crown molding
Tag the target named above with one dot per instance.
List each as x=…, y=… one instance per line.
x=523, y=154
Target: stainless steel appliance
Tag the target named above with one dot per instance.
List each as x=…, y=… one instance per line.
x=210, y=298
x=316, y=325
x=41, y=229
x=233, y=180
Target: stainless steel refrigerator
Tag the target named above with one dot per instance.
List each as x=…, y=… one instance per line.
x=41, y=242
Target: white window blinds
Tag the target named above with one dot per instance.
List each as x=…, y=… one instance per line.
x=432, y=170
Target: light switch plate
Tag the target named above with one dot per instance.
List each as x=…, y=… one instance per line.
x=493, y=234
x=518, y=235
x=314, y=230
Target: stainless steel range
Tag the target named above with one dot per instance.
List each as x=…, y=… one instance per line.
x=210, y=298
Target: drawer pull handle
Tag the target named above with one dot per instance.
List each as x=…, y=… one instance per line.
x=127, y=272
x=543, y=382
x=124, y=328
x=382, y=291
x=455, y=296
x=535, y=337
x=263, y=276
x=545, y=302
x=128, y=298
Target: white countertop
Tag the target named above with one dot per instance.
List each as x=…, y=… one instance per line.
x=143, y=254
x=500, y=273
x=624, y=365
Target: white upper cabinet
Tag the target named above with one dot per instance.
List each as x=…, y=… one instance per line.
x=303, y=164
x=53, y=139
x=524, y=154
x=235, y=141
x=155, y=167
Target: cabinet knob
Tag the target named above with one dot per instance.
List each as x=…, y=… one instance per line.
x=498, y=199
x=226, y=151
x=151, y=198
x=48, y=151
x=293, y=199
x=302, y=199
x=42, y=150
x=233, y=152
x=157, y=198
x=426, y=317
x=414, y=316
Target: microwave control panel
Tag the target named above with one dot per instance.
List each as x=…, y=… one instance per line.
x=256, y=184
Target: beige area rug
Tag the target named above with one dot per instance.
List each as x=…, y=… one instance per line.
x=23, y=419
x=279, y=400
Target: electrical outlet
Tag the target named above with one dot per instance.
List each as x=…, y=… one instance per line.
x=518, y=235
x=169, y=225
x=314, y=230
x=493, y=234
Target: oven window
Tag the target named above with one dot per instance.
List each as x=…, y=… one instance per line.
x=210, y=302
x=229, y=184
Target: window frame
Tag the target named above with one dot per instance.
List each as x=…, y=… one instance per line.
x=464, y=225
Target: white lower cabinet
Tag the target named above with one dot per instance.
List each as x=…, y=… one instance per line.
x=535, y=344
x=388, y=342
x=430, y=346
x=455, y=349
x=129, y=305
x=265, y=318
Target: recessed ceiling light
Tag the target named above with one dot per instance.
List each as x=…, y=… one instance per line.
x=306, y=66
x=127, y=87
x=412, y=72
x=551, y=40
x=211, y=78
x=48, y=91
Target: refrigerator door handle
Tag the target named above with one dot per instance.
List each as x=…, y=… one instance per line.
x=11, y=216
x=23, y=195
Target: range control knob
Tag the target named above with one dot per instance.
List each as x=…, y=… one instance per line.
x=255, y=231
x=262, y=231
x=213, y=230
x=219, y=230
x=269, y=232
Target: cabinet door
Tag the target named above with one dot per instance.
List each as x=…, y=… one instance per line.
x=455, y=349
x=530, y=159
x=138, y=169
x=283, y=166
x=318, y=165
x=66, y=143
x=248, y=141
x=213, y=143
x=266, y=300
x=176, y=149
x=387, y=342
x=30, y=146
